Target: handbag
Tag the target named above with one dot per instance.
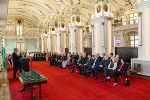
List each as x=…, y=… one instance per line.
x=126, y=82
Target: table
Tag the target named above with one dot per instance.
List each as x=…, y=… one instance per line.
x=30, y=79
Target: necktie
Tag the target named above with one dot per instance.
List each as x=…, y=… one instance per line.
x=95, y=61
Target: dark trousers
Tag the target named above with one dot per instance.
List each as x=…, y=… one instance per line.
x=79, y=67
x=108, y=72
x=84, y=69
x=116, y=74
x=97, y=68
x=52, y=62
x=89, y=70
x=15, y=71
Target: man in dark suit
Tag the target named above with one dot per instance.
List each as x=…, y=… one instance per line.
x=88, y=64
x=118, y=60
x=103, y=64
x=83, y=62
x=95, y=64
x=78, y=65
x=24, y=63
x=75, y=59
x=53, y=58
x=16, y=63
x=110, y=56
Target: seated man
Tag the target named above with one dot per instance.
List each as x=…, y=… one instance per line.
x=75, y=58
x=108, y=72
x=84, y=60
x=87, y=65
x=118, y=60
x=95, y=63
x=120, y=70
x=60, y=60
x=78, y=65
x=103, y=64
x=55, y=59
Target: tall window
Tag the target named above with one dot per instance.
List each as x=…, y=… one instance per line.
x=123, y=21
x=133, y=18
x=19, y=30
x=134, y=40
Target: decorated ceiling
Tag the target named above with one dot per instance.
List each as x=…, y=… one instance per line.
x=44, y=13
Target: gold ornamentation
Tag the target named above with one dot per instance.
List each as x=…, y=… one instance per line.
x=109, y=18
x=105, y=8
x=73, y=19
x=75, y=30
x=62, y=25
x=92, y=26
x=98, y=9
x=87, y=29
x=53, y=29
x=139, y=14
x=103, y=23
x=78, y=19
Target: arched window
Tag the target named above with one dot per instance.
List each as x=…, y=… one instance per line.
x=19, y=30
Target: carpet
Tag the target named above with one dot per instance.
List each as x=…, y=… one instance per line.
x=63, y=85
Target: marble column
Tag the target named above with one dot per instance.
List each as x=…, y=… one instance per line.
x=109, y=36
x=99, y=35
x=76, y=39
x=38, y=44
x=73, y=38
x=42, y=44
x=63, y=41
x=58, y=44
x=103, y=41
x=93, y=40
x=143, y=29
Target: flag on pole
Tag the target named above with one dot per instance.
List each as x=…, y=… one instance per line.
x=3, y=53
x=3, y=57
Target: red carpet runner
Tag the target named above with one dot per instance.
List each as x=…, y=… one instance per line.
x=62, y=85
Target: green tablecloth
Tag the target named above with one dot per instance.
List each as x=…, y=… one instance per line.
x=31, y=76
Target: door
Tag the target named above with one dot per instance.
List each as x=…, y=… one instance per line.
x=20, y=46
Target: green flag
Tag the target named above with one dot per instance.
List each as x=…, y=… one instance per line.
x=3, y=57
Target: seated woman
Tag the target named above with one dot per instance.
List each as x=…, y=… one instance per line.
x=64, y=61
x=108, y=72
x=120, y=70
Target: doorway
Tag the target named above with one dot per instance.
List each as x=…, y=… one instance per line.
x=20, y=46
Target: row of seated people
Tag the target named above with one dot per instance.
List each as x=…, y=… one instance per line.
x=60, y=60
x=39, y=56
x=110, y=66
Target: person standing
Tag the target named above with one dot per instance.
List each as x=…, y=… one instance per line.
x=15, y=59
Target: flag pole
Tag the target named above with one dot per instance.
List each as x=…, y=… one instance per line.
x=3, y=82
x=3, y=63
